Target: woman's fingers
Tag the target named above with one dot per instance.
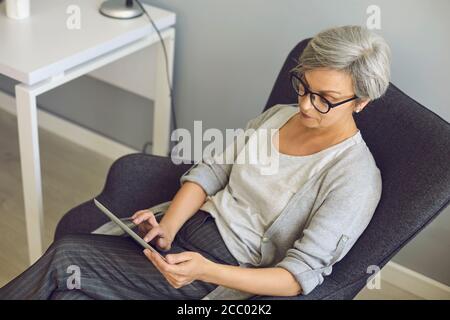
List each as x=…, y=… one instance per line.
x=164, y=244
x=152, y=220
x=175, y=280
x=158, y=263
x=162, y=265
x=178, y=257
x=149, y=255
x=152, y=233
x=144, y=215
x=134, y=216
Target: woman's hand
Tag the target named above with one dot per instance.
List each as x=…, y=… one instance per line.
x=182, y=268
x=149, y=228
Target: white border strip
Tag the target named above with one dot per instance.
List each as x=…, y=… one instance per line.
x=414, y=282
x=71, y=131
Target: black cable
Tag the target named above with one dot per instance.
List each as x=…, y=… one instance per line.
x=172, y=105
x=144, y=148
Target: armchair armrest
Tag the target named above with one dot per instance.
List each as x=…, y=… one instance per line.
x=138, y=181
x=134, y=182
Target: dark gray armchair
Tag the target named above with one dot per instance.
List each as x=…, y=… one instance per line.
x=411, y=146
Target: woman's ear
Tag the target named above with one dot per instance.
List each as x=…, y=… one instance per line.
x=360, y=105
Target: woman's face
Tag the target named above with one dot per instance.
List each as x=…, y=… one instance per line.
x=335, y=86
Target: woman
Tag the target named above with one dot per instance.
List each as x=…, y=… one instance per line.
x=232, y=232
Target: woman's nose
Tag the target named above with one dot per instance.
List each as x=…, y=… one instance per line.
x=305, y=103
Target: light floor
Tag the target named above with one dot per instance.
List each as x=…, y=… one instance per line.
x=70, y=175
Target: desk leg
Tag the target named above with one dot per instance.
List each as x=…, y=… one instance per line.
x=31, y=169
x=162, y=109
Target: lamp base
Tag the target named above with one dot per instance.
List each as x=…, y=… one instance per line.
x=118, y=9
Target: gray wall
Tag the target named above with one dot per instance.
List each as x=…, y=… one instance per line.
x=228, y=53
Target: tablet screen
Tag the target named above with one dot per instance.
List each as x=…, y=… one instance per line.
x=125, y=228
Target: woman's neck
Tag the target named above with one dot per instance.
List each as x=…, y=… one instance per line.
x=329, y=135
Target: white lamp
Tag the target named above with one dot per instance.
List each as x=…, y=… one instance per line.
x=18, y=9
x=121, y=9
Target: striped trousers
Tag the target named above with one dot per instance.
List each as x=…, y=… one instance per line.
x=112, y=267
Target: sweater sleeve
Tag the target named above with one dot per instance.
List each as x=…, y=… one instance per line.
x=212, y=172
x=334, y=227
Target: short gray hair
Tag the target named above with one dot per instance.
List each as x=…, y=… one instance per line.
x=356, y=50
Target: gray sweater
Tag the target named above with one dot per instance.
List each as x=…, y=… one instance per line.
x=320, y=223
x=254, y=196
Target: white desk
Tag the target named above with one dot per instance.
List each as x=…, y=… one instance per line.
x=42, y=53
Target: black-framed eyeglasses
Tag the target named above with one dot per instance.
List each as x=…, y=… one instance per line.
x=319, y=102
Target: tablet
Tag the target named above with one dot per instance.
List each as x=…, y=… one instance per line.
x=125, y=228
